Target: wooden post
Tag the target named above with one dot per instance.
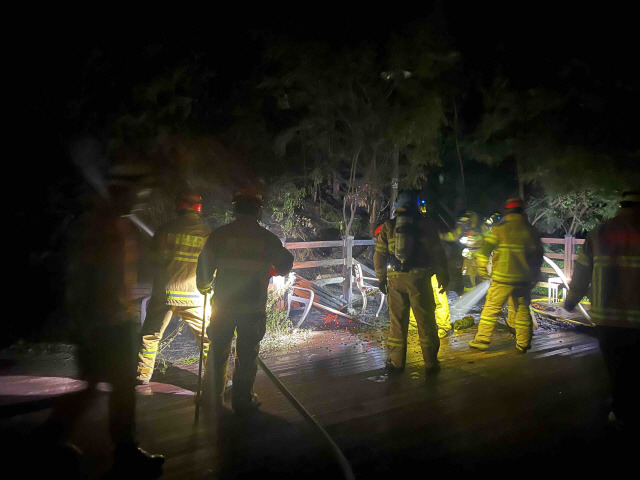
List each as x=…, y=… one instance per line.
x=347, y=257
x=568, y=255
x=281, y=302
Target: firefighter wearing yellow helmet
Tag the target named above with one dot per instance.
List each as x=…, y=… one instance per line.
x=610, y=262
x=242, y=255
x=470, y=233
x=174, y=252
x=517, y=257
x=408, y=253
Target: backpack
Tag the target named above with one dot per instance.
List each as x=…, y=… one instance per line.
x=406, y=240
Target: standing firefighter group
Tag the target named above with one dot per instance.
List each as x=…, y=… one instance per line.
x=412, y=270
x=241, y=257
x=233, y=264
x=411, y=266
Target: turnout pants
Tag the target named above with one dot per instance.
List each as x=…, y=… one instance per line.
x=250, y=330
x=519, y=298
x=412, y=291
x=470, y=269
x=620, y=347
x=106, y=353
x=159, y=315
x=443, y=315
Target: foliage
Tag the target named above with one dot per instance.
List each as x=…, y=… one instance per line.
x=280, y=332
x=349, y=125
x=284, y=205
x=571, y=213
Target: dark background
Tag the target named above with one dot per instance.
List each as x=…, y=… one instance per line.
x=56, y=63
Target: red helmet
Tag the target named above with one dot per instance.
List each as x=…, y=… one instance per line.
x=189, y=200
x=515, y=202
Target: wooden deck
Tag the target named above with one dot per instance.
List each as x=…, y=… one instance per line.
x=486, y=412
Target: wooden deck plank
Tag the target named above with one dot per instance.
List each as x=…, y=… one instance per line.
x=493, y=409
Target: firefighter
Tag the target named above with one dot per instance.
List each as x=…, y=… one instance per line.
x=469, y=233
x=610, y=262
x=491, y=221
x=443, y=315
x=243, y=255
x=517, y=257
x=408, y=253
x=102, y=271
x=174, y=252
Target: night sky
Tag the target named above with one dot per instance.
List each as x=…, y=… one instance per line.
x=534, y=44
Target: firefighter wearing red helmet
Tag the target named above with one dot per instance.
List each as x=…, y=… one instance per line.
x=517, y=258
x=174, y=252
x=241, y=254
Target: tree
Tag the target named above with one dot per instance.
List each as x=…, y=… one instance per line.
x=571, y=213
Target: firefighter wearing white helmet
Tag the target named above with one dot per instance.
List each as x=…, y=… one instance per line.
x=243, y=255
x=174, y=252
x=517, y=257
x=408, y=253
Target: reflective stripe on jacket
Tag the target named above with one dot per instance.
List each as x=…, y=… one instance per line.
x=610, y=262
x=517, y=251
x=431, y=256
x=174, y=252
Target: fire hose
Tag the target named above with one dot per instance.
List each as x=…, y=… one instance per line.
x=335, y=450
x=342, y=461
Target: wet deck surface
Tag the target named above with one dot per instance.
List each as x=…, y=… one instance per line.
x=486, y=412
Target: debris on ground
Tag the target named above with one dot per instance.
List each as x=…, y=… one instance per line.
x=465, y=322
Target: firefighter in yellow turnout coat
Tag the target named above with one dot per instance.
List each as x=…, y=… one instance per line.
x=407, y=280
x=610, y=262
x=517, y=257
x=174, y=253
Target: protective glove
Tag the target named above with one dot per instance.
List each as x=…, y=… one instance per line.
x=483, y=273
x=382, y=285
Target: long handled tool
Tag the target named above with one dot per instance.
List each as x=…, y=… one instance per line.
x=199, y=389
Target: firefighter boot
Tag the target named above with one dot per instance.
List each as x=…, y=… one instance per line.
x=479, y=344
x=442, y=333
x=391, y=369
x=245, y=406
x=432, y=368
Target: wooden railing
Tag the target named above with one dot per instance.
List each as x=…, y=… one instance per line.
x=568, y=257
x=345, y=259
